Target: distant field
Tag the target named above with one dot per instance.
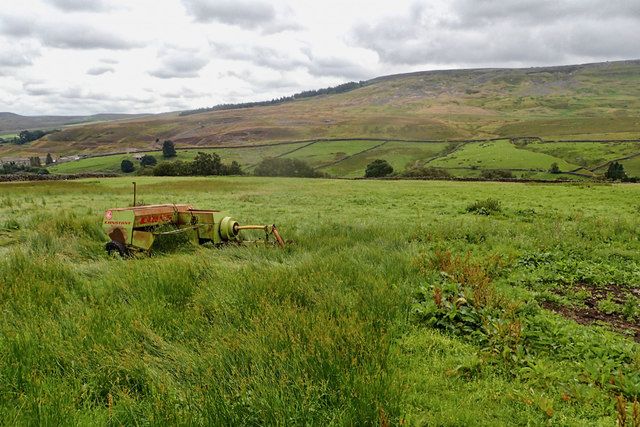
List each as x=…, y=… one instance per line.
x=246, y=156
x=631, y=166
x=349, y=158
x=499, y=155
x=399, y=154
x=393, y=305
x=322, y=153
x=586, y=154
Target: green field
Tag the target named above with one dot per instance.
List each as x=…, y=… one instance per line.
x=499, y=155
x=323, y=153
x=350, y=158
x=400, y=155
x=395, y=303
x=248, y=157
x=586, y=154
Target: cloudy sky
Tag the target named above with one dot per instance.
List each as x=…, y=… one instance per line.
x=93, y=56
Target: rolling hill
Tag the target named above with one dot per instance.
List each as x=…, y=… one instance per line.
x=574, y=111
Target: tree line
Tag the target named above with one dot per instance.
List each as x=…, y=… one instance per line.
x=345, y=87
x=25, y=136
x=203, y=164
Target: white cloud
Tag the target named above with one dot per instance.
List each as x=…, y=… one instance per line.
x=99, y=70
x=81, y=5
x=91, y=56
x=505, y=32
x=179, y=63
x=65, y=35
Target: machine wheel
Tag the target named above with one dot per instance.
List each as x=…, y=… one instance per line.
x=118, y=248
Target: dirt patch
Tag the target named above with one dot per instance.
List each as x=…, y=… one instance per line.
x=589, y=312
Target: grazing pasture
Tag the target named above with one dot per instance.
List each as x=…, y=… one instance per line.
x=419, y=302
x=349, y=158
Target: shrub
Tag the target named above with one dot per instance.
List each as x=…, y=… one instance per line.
x=378, y=168
x=204, y=164
x=148, y=160
x=233, y=169
x=168, y=169
x=485, y=207
x=427, y=172
x=285, y=167
x=12, y=168
x=554, y=168
x=496, y=174
x=127, y=166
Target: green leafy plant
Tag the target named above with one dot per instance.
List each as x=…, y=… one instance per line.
x=485, y=207
x=378, y=168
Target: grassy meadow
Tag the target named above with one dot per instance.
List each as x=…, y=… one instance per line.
x=349, y=158
x=408, y=302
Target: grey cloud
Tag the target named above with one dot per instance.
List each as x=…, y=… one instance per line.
x=16, y=58
x=99, y=70
x=37, y=89
x=262, y=56
x=16, y=26
x=179, y=64
x=247, y=14
x=109, y=61
x=62, y=35
x=474, y=12
x=83, y=37
x=260, y=83
x=79, y=93
x=243, y=13
x=80, y=5
x=507, y=32
x=78, y=100
x=183, y=93
x=337, y=67
x=284, y=61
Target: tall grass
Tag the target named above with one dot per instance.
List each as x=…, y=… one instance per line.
x=321, y=332
x=233, y=336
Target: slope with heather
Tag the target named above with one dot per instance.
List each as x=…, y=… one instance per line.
x=592, y=101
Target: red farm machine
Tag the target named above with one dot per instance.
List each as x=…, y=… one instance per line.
x=136, y=228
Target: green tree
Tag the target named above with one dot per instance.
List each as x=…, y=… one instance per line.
x=28, y=136
x=206, y=164
x=378, y=168
x=615, y=172
x=554, y=168
x=49, y=159
x=168, y=149
x=148, y=160
x=127, y=166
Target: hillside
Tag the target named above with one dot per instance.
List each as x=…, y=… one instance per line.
x=10, y=122
x=576, y=103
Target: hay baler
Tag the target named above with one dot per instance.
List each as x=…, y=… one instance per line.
x=136, y=228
